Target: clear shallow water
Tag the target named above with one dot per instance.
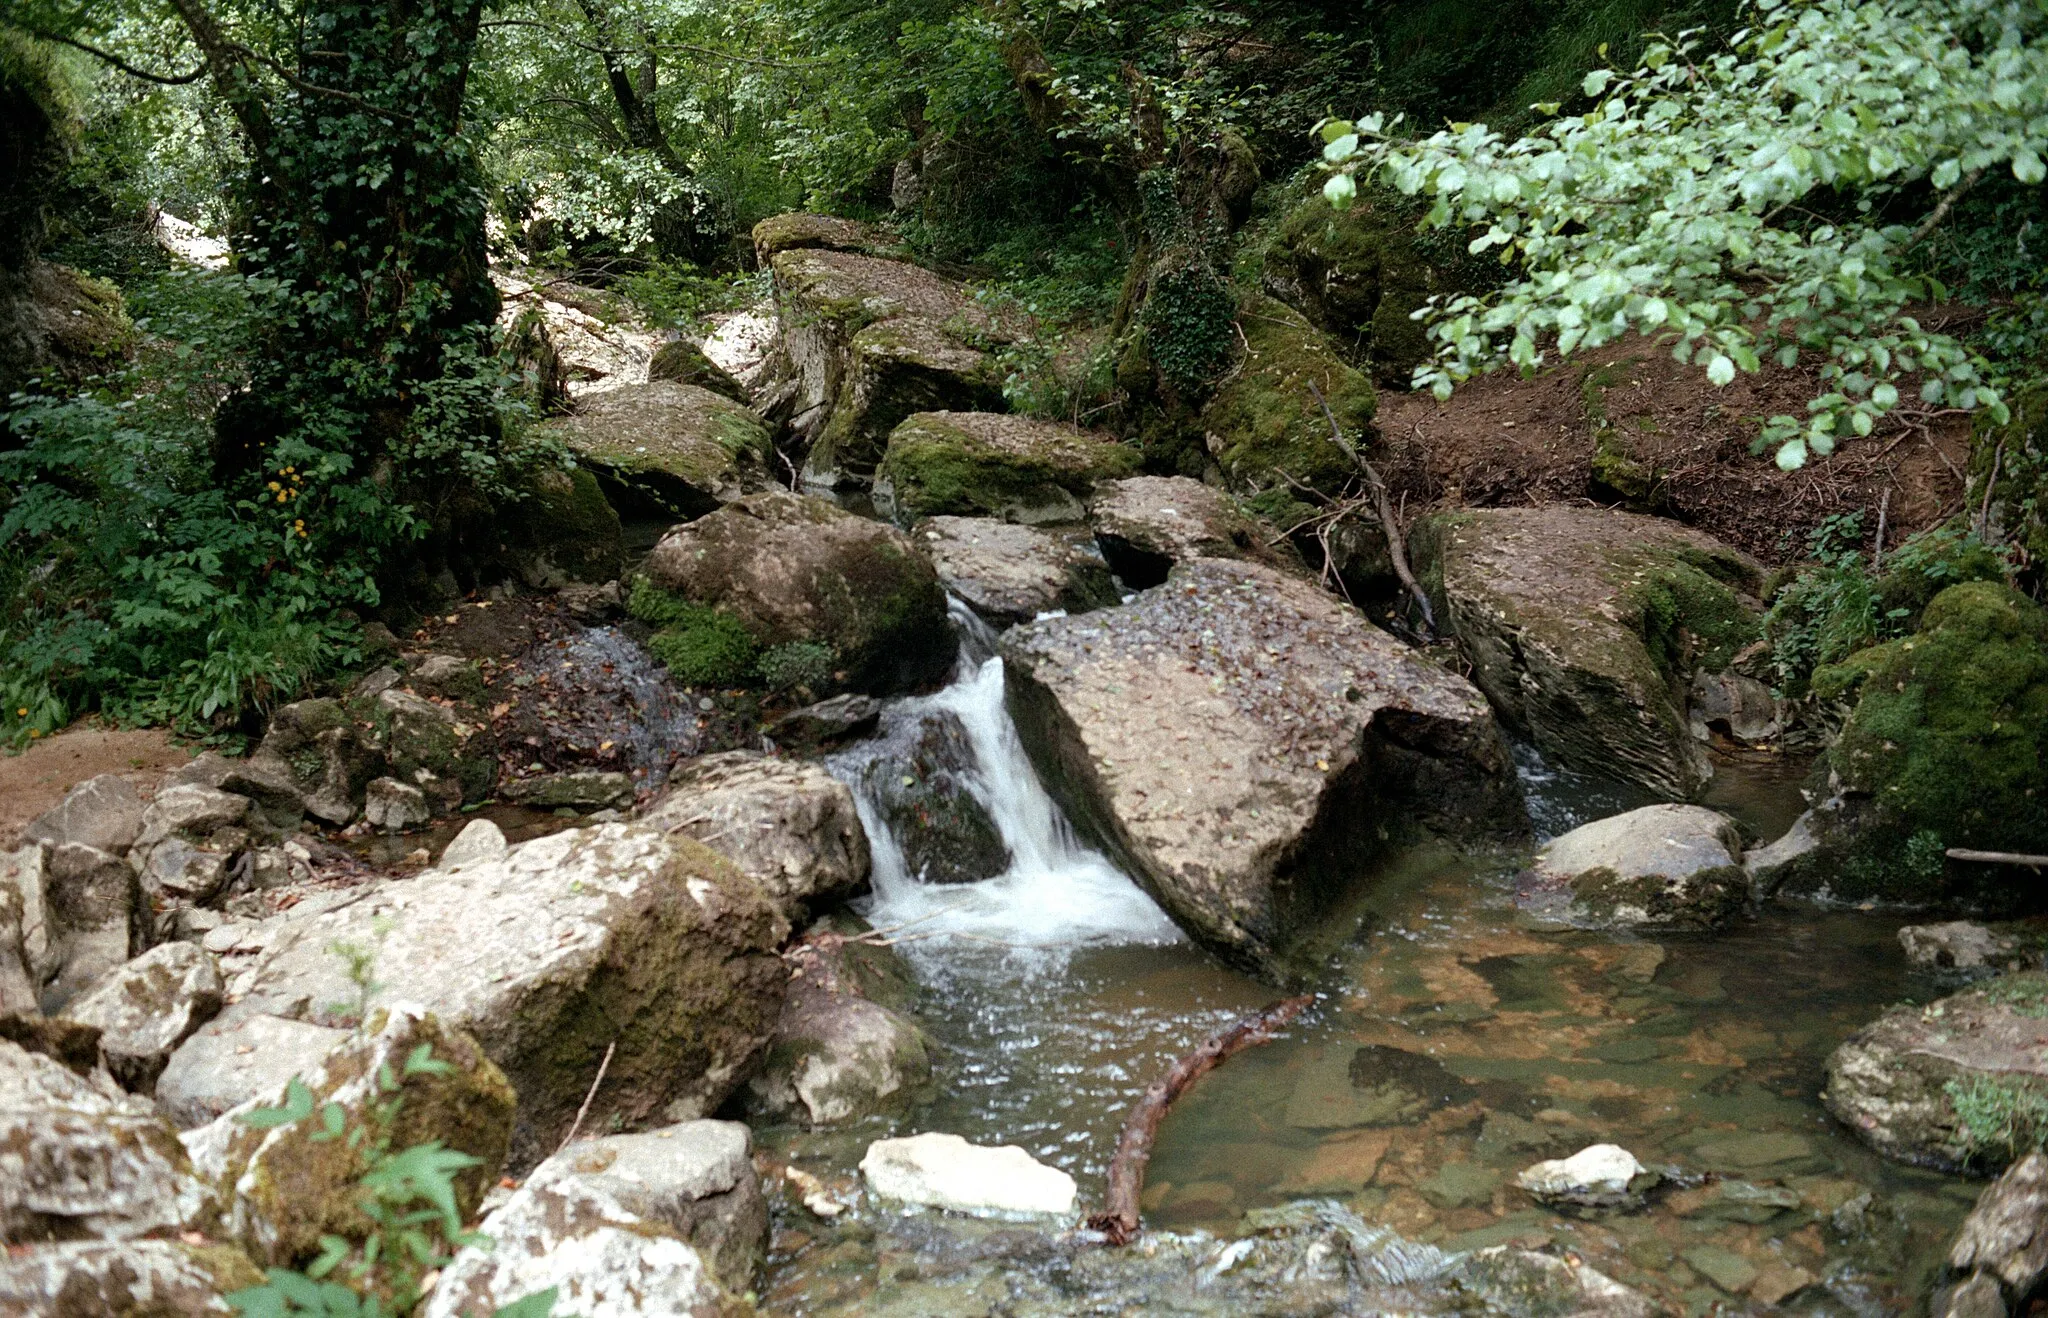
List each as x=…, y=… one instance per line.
x=1057, y=993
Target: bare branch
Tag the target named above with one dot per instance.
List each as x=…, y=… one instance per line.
x=108, y=57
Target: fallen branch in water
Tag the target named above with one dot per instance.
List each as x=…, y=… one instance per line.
x=1119, y=1218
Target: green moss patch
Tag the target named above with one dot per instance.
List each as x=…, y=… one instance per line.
x=1264, y=424
x=700, y=645
x=982, y=464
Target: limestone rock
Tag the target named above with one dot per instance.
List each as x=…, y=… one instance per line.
x=1146, y=524
x=1581, y=624
x=683, y=362
x=571, y=942
x=1596, y=1178
x=937, y=1170
x=329, y=760
x=1009, y=573
x=794, y=568
x=984, y=464
x=479, y=843
x=1512, y=1281
x=450, y=757
x=1890, y=1082
x=784, y=233
x=921, y=779
x=838, y=1057
x=222, y=1067
x=790, y=826
x=89, y=911
x=124, y=1279
x=104, y=813
x=149, y=1006
x=17, y=990
x=682, y=448
x=1960, y=945
x=1662, y=866
x=576, y=789
x=450, y=677
x=76, y=1164
x=1249, y=746
x=391, y=806
x=293, y=1183
x=2006, y=1234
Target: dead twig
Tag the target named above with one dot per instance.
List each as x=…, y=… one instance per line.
x=584, y=1111
x=1990, y=484
x=1998, y=857
x=1397, y=548
x=1884, y=507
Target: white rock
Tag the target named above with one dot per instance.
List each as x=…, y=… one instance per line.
x=149, y=1006
x=226, y=1065
x=1597, y=1175
x=479, y=843
x=393, y=806
x=1663, y=866
x=937, y=1170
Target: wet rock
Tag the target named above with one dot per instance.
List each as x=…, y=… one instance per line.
x=2005, y=1237
x=450, y=676
x=937, y=1170
x=1580, y=624
x=393, y=807
x=1598, y=1178
x=1724, y=1267
x=1663, y=867
x=592, y=603
x=1009, y=573
x=1249, y=746
x=149, y=1006
x=682, y=448
x=220, y=1068
x=920, y=777
x=296, y=1182
x=1735, y=704
x=985, y=464
x=1774, y=1152
x=104, y=813
x=329, y=761
x=683, y=362
x=828, y=722
x=1146, y=524
x=89, y=911
x=1736, y=1201
x=1263, y=426
x=575, y=789
x=1778, y=1282
x=76, y=1164
x=836, y=1056
x=1963, y=946
x=793, y=568
x=788, y=825
x=450, y=757
x=127, y=1279
x=1977, y=1297
x=571, y=942
x=1375, y=1085
x=1521, y=1282
x=696, y=1179
x=1928, y=1085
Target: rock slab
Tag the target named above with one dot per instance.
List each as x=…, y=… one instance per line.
x=937, y=1170
x=1660, y=867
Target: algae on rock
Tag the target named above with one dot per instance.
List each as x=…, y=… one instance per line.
x=984, y=464
x=1263, y=424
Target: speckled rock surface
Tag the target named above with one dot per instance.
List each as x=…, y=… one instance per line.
x=1146, y=524
x=123, y=1279
x=570, y=942
x=987, y=464
x=790, y=826
x=1890, y=1082
x=221, y=1068
x=837, y=1056
x=2005, y=1237
x=1583, y=626
x=681, y=446
x=1248, y=746
x=149, y=1006
x=77, y=1163
x=1009, y=573
x=103, y=812
x=1662, y=867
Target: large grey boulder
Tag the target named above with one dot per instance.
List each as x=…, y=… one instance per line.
x=1663, y=867
x=80, y=1164
x=1010, y=573
x=1146, y=524
x=837, y=1056
x=570, y=943
x=103, y=812
x=329, y=759
x=91, y=918
x=1908, y=1083
x=146, y=1008
x=1585, y=628
x=17, y=990
x=990, y=464
x=682, y=448
x=795, y=568
x=1249, y=747
x=217, y=1070
x=123, y=1279
x=2000, y=1255
x=790, y=826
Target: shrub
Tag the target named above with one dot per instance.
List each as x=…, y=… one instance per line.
x=798, y=664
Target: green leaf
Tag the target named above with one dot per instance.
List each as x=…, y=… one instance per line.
x=1886, y=395
x=298, y=1105
x=1720, y=369
x=1339, y=190
x=2027, y=166
x=540, y=1304
x=1340, y=150
x=1595, y=82
x=1792, y=455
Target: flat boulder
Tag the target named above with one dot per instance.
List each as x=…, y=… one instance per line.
x=682, y=448
x=1146, y=524
x=1584, y=627
x=790, y=826
x=567, y=944
x=1009, y=573
x=1249, y=747
x=146, y=1008
x=217, y=1070
x=831, y=233
x=986, y=464
x=103, y=812
x=1660, y=867
x=938, y=1170
x=1935, y=1086
x=790, y=568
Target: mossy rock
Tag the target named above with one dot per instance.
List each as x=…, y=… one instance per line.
x=968, y=464
x=86, y=327
x=702, y=646
x=680, y=447
x=683, y=362
x=894, y=370
x=1263, y=423
x=1359, y=274
x=798, y=229
x=415, y=736
x=563, y=530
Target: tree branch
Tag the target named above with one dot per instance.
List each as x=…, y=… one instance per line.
x=1940, y=212
x=1397, y=547
x=108, y=57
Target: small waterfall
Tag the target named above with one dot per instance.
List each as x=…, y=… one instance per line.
x=1056, y=892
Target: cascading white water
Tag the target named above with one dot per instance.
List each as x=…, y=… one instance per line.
x=1056, y=893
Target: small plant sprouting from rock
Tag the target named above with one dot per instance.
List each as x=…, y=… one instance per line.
x=2001, y=1122
x=805, y=665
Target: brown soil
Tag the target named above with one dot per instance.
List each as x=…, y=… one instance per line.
x=1503, y=441
x=38, y=778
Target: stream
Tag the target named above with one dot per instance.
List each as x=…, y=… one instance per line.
x=1453, y=1043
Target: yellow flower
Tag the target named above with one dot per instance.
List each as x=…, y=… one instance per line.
x=22, y=712
x=274, y=485
x=34, y=733
x=282, y=496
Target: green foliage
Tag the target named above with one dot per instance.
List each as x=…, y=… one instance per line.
x=679, y=296
x=701, y=646
x=2002, y=1120
x=1189, y=331
x=796, y=665
x=1679, y=205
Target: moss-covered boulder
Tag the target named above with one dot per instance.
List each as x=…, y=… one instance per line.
x=1947, y=746
x=800, y=229
x=292, y=1183
x=1358, y=275
x=1263, y=423
x=1585, y=627
x=681, y=449
x=1660, y=867
x=985, y=464
x=1960, y=1085
x=448, y=751
x=562, y=947
x=785, y=569
x=683, y=362
x=86, y=330
x=560, y=530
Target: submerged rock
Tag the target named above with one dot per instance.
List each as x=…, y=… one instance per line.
x=937, y=1170
x=1009, y=573
x=1249, y=746
x=1955, y=1085
x=1965, y=947
x=792, y=568
x=1598, y=1178
x=1663, y=867
x=1581, y=626
x=682, y=448
x=984, y=464
x=1146, y=524
x=124, y=1279
x=149, y=1006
